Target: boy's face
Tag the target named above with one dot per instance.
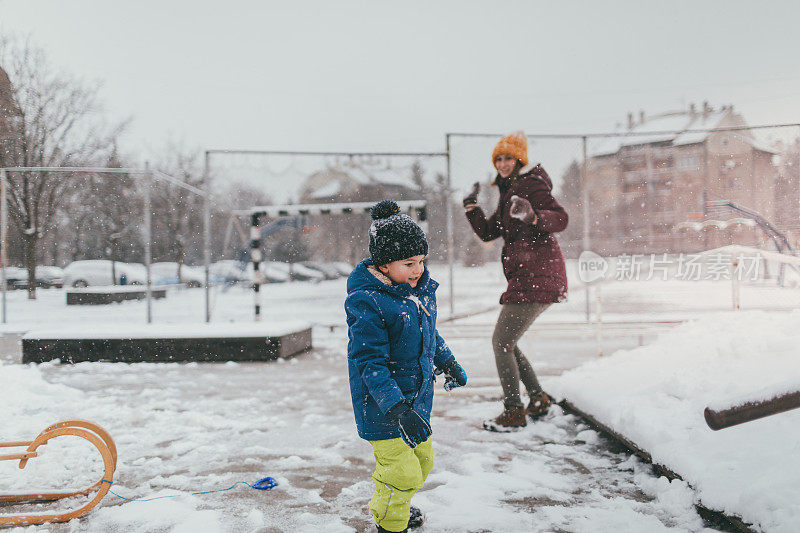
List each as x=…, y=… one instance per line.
x=406, y=270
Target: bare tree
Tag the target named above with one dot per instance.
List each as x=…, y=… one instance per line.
x=104, y=213
x=177, y=212
x=230, y=234
x=58, y=126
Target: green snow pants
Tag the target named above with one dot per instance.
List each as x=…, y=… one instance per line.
x=400, y=472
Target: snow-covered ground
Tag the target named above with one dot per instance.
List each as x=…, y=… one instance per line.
x=183, y=428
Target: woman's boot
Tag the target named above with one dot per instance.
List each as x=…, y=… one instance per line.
x=511, y=419
x=539, y=405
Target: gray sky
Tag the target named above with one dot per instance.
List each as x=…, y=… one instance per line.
x=375, y=75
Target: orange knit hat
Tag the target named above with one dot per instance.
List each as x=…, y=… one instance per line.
x=514, y=144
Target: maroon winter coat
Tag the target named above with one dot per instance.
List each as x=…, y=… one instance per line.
x=532, y=260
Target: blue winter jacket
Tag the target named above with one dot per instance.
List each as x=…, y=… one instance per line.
x=393, y=348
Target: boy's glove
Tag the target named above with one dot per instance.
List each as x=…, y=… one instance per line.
x=521, y=209
x=471, y=200
x=455, y=375
x=413, y=428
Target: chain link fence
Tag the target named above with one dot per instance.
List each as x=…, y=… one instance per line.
x=658, y=196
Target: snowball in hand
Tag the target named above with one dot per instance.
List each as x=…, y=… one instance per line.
x=521, y=209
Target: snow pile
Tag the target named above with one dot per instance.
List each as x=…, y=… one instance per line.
x=655, y=396
x=30, y=401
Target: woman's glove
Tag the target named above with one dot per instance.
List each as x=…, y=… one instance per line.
x=521, y=209
x=413, y=428
x=471, y=200
x=454, y=374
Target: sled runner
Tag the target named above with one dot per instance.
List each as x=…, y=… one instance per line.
x=78, y=428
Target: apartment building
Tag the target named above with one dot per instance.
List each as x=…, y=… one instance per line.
x=659, y=193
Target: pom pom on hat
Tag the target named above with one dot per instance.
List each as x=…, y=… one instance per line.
x=394, y=235
x=514, y=144
x=384, y=209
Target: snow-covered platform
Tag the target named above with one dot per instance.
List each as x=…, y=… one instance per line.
x=652, y=399
x=108, y=295
x=168, y=343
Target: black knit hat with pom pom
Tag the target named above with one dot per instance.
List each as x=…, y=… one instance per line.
x=394, y=235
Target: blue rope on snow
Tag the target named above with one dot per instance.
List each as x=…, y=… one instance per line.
x=266, y=483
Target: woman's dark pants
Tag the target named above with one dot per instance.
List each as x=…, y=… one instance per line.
x=512, y=365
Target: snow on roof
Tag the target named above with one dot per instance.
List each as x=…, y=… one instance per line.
x=667, y=122
x=758, y=144
x=700, y=121
x=326, y=191
x=380, y=175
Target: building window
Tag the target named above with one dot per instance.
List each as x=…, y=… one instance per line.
x=691, y=162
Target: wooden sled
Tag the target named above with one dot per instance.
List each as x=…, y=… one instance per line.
x=78, y=428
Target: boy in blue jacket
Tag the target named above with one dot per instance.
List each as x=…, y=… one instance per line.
x=392, y=351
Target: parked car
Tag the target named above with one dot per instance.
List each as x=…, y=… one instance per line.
x=49, y=276
x=13, y=275
x=326, y=269
x=343, y=268
x=229, y=271
x=166, y=273
x=302, y=273
x=46, y=277
x=273, y=273
x=94, y=272
x=296, y=271
x=270, y=273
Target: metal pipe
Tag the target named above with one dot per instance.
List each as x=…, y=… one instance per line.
x=255, y=257
x=148, y=241
x=103, y=170
x=450, y=228
x=322, y=209
x=599, y=328
x=629, y=133
x=343, y=154
x=586, y=226
x=3, y=236
x=207, y=236
x=175, y=181
x=99, y=170
x=735, y=283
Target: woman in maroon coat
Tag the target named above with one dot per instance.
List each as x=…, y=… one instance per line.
x=527, y=216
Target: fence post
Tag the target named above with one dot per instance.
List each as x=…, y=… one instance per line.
x=450, y=237
x=735, y=284
x=207, y=236
x=599, y=328
x=3, y=236
x=255, y=257
x=148, y=239
x=586, y=235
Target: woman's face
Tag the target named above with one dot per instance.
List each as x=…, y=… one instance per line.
x=505, y=165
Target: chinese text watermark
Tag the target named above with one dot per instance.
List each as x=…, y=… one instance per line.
x=683, y=267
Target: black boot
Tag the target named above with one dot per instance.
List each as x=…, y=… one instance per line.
x=416, y=519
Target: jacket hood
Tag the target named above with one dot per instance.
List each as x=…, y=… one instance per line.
x=367, y=276
x=529, y=171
